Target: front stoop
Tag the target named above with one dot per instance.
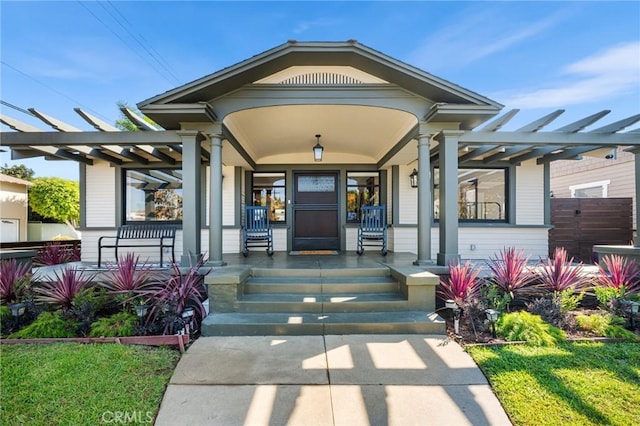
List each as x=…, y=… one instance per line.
x=256, y=302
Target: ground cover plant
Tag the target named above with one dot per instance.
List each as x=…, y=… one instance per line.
x=546, y=297
x=73, y=303
x=74, y=384
x=568, y=384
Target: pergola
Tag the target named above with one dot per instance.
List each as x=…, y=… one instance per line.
x=448, y=149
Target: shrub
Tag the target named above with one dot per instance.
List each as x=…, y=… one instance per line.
x=129, y=280
x=117, y=325
x=509, y=272
x=14, y=277
x=619, y=332
x=558, y=274
x=180, y=291
x=48, y=324
x=517, y=326
x=550, y=309
x=606, y=295
x=53, y=254
x=62, y=291
x=619, y=273
x=462, y=284
x=595, y=324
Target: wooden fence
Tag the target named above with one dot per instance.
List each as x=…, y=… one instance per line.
x=581, y=223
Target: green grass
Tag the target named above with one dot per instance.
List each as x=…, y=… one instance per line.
x=75, y=384
x=568, y=384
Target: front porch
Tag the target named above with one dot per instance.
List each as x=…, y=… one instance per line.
x=321, y=294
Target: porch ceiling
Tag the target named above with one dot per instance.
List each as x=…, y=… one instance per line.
x=350, y=134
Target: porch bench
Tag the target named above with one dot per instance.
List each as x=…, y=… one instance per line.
x=161, y=236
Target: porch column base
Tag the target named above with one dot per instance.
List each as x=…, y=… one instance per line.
x=423, y=262
x=223, y=289
x=216, y=263
x=444, y=259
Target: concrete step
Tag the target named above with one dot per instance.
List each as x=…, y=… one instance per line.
x=320, y=272
x=311, y=284
x=318, y=303
x=254, y=324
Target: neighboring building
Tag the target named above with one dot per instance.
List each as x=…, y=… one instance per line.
x=14, y=206
x=611, y=175
x=245, y=135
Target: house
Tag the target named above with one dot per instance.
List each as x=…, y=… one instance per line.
x=14, y=198
x=247, y=134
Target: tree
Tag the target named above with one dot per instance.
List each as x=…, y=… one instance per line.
x=56, y=198
x=123, y=123
x=19, y=171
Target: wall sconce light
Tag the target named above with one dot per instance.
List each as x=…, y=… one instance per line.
x=318, y=150
x=413, y=178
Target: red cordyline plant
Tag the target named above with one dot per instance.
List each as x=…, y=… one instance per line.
x=131, y=279
x=619, y=273
x=509, y=271
x=462, y=285
x=66, y=286
x=53, y=254
x=13, y=276
x=182, y=290
x=558, y=274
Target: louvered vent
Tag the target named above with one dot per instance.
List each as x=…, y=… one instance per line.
x=322, y=78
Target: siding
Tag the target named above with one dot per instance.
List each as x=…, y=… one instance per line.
x=100, y=195
x=620, y=172
x=487, y=240
x=408, y=198
x=529, y=194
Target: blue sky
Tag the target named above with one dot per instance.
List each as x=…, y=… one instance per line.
x=536, y=56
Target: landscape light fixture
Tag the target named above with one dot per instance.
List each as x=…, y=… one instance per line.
x=17, y=310
x=318, y=150
x=451, y=304
x=413, y=178
x=632, y=308
x=187, y=319
x=492, y=317
x=141, y=311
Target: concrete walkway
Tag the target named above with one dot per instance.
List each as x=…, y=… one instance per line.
x=329, y=380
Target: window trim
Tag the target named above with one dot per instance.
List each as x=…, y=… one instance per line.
x=284, y=188
x=603, y=184
x=509, y=194
x=123, y=197
x=347, y=186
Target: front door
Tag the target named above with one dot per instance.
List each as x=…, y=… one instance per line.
x=315, y=211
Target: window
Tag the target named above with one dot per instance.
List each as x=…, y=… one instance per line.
x=481, y=194
x=153, y=195
x=269, y=190
x=363, y=189
x=590, y=190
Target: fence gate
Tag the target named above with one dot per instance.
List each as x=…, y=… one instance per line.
x=581, y=223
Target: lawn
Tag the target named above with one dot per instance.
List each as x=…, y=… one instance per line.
x=568, y=384
x=82, y=384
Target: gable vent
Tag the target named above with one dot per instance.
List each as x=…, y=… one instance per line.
x=322, y=78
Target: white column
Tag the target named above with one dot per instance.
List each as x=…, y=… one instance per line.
x=424, y=201
x=448, y=164
x=191, y=196
x=215, y=201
